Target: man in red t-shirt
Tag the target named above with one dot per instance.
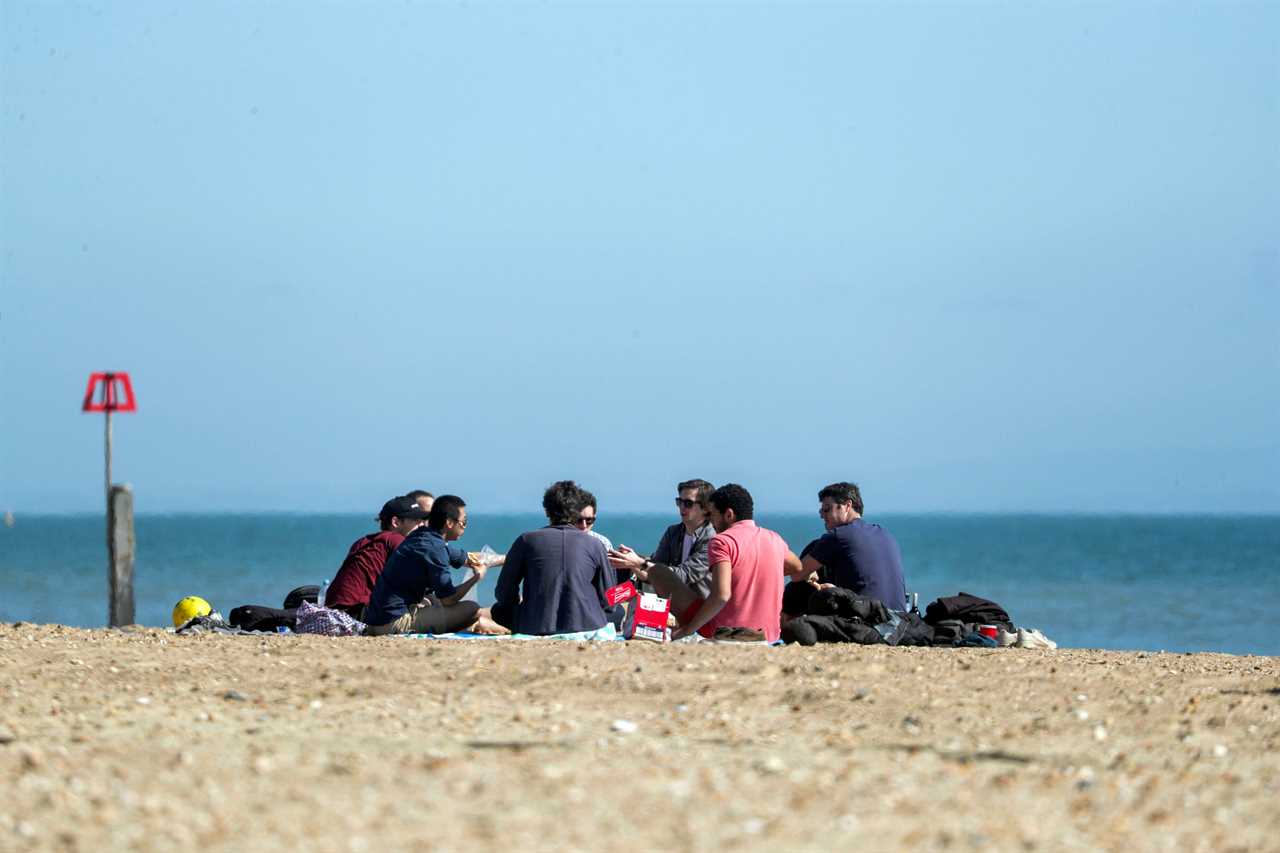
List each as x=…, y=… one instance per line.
x=354, y=582
x=749, y=565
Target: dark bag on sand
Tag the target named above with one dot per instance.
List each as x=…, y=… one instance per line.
x=253, y=617
x=810, y=630
x=837, y=601
x=911, y=630
x=964, y=607
x=309, y=593
x=949, y=632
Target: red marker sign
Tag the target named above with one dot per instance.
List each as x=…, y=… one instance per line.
x=109, y=392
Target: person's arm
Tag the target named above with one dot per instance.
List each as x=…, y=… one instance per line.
x=507, y=591
x=477, y=575
x=721, y=592
x=666, y=554
x=809, y=568
x=793, y=566
x=623, y=557
x=821, y=553
x=458, y=557
x=604, y=579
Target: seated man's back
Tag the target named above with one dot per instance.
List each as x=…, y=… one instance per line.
x=554, y=578
x=558, y=575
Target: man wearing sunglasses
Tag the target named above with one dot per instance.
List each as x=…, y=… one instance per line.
x=855, y=554
x=681, y=556
x=586, y=520
x=415, y=593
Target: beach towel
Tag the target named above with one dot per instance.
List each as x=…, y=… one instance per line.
x=606, y=634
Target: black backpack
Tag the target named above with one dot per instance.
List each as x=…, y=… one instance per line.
x=295, y=598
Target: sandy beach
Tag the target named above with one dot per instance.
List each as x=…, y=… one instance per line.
x=141, y=739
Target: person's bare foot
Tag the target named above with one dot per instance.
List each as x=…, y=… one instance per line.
x=485, y=625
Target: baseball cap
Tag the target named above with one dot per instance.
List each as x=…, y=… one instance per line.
x=402, y=507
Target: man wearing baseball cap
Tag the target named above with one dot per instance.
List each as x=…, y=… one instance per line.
x=355, y=581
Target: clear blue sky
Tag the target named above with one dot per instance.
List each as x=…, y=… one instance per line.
x=971, y=256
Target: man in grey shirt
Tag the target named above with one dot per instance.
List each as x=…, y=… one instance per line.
x=681, y=555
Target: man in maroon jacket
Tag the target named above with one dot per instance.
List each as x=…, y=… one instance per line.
x=354, y=582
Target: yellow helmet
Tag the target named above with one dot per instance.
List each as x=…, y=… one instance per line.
x=189, y=608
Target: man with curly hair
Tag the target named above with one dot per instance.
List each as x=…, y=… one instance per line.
x=554, y=578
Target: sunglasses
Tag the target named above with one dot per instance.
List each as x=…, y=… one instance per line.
x=585, y=521
x=685, y=503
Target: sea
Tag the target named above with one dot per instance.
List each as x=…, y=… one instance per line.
x=1125, y=582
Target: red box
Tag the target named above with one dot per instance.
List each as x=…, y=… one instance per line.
x=624, y=591
x=651, y=618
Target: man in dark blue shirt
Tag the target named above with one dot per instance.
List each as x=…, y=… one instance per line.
x=854, y=554
x=415, y=593
x=554, y=579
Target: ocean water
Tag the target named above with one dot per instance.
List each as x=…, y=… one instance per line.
x=1174, y=583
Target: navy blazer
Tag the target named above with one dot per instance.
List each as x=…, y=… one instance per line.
x=555, y=578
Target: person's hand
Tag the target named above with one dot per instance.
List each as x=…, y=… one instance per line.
x=623, y=557
x=479, y=571
x=475, y=559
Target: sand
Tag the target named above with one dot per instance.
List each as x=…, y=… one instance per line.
x=142, y=739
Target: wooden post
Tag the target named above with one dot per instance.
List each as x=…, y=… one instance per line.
x=120, y=542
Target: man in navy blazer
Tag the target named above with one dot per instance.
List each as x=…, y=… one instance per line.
x=554, y=578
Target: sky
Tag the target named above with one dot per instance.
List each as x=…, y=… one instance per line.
x=971, y=256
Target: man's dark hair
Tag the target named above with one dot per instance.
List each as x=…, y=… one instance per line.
x=562, y=501
x=387, y=513
x=843, y=493
x=419, y=493
x=446, y=508
x=588, y=500
x=734, y=497
x=704, y=490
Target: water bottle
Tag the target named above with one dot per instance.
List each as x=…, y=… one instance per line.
x=324, y=588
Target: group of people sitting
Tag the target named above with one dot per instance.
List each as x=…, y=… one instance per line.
x=717, y=567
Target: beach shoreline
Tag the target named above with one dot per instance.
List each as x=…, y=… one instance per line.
x=145, y=739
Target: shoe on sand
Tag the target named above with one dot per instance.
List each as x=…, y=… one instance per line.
x=1030, y=638
x=1005, y=638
